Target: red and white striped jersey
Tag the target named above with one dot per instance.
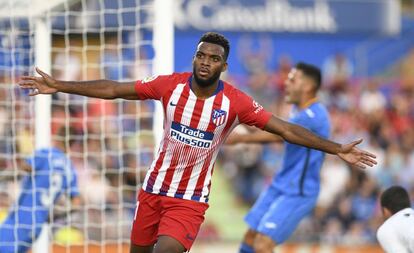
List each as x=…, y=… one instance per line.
x=194, y=129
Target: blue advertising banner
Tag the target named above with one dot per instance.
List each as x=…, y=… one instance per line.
x=293, y=16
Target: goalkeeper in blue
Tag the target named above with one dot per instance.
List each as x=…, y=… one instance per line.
x=49, y=175
x=294, y=190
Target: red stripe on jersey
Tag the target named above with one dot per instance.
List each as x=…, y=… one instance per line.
x=195, y=120
x=177, y=148
x=177, y=151
x=211, y=127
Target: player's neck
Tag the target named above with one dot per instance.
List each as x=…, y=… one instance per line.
x=306, y=102
x=204, y=92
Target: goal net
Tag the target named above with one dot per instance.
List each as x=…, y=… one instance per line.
x=109, y=142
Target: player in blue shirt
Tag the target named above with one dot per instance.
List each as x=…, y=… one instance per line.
x=294, y=190
x=50, y=174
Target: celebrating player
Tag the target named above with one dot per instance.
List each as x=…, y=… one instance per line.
x=200, y=112
x=50, y=174
x=397, y=232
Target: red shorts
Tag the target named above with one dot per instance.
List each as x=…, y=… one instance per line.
x=158, y=215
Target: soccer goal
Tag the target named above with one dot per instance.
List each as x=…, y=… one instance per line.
x=114, y=140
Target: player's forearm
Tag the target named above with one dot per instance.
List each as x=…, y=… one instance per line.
x=299, y=135
x=97, y=88
x=261, y=137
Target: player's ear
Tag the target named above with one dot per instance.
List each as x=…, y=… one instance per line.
x=224, y=67
x=387, y=213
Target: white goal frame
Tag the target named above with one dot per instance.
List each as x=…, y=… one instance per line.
x=163, y=63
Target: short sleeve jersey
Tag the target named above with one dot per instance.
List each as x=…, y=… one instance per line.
x=194, y=130
x=301, y=165
x=396, y=235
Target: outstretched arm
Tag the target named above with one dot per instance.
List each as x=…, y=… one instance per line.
x=301, y=136
x=106, y=89
x=255, y=137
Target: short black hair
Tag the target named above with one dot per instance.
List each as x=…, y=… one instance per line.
x=395, y=199
x=312, y=72
x=218, y=39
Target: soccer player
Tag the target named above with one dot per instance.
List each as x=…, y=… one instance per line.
x=396, y=235
x=49, y=175
x=200, y=112
x=294, y=190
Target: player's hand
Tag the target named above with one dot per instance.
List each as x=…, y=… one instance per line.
x=355, y=156
x=44, y=84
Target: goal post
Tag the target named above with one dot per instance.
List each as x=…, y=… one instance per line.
x=164, y=52
x=83, y=40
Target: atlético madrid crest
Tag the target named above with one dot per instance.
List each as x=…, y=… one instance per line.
x=218, y=117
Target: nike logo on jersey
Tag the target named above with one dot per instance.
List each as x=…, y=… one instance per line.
x=189, y=237
x=172, y=104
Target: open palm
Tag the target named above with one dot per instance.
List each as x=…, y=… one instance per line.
x=44, y=84
x=355, y=156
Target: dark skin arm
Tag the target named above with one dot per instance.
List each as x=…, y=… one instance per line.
x=301, y=136
x=105, y=89
x=256, y=137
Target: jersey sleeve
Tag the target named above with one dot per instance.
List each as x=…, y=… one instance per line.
x=249, y=111
x=388, y=239
x=154, y=87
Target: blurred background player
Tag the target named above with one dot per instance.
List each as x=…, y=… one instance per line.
x=396, y=234
x=293, y=192
x=50, y=174
x=200, y=110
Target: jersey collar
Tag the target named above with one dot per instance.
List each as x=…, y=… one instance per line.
x=220, y=86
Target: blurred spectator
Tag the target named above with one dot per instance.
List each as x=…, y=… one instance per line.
x=372, y=99
x=113, y=59
x=332, y=232
x=334, y=177
x=356, y=235
x=281, y=72
x=407, y=73
x=364, y=201
x=337, y=73
x=255, y=54
x=67, y=66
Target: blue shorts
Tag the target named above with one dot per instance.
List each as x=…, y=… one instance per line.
x=277, y=215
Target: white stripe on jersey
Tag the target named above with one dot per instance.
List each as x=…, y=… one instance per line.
x=202, y=125
x=185, y=120
x=225, y=106
x=175, y=96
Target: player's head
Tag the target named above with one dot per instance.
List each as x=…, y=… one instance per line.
x=210, y=58
x=393, y=200
x=65, y=137
x=303, y=82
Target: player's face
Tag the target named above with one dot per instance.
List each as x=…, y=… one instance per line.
x=208, y=63
x=294, y=86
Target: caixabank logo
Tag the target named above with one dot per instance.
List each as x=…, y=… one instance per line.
x=191, y=136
